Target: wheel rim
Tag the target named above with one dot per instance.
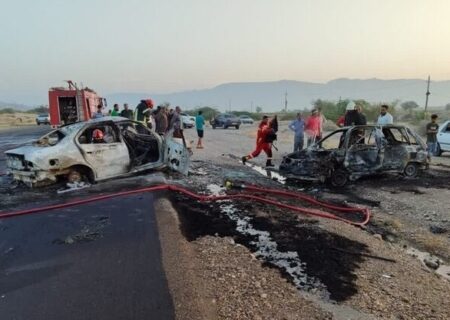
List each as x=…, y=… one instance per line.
x=74, y=177
x=339, y=179
x=410, y=170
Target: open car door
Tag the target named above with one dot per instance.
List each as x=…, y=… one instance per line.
x=176, y=154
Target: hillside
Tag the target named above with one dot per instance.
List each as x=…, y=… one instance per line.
x=270, y=95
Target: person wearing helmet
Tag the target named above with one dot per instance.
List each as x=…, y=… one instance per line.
x=97, y=136
x=143, y=109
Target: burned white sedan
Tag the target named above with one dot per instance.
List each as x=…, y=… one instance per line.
x=95, y=150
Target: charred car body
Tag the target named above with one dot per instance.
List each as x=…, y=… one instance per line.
x=352, y=152
x=71, y=153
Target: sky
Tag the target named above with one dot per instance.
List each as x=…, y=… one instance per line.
x=173, y=45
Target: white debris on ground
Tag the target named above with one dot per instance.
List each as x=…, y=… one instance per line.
x=288, y=261
x=74, y=186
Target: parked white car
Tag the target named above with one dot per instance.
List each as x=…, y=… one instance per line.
x=42, y=119
x=71, y=153
x=443, y=138
x=187, y=120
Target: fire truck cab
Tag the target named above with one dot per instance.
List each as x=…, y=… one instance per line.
x=72, y=104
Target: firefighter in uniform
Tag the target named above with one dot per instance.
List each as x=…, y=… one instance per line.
x=264, y=138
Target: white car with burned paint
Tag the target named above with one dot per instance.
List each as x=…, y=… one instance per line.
x=70, y=153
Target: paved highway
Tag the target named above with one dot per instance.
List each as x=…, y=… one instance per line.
x=96, y=261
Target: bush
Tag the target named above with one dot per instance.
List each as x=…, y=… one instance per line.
x=7, y=111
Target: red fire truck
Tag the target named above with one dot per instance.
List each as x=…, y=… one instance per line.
x=72, y=104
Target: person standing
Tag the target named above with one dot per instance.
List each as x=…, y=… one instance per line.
x=385, y=118
x=360, y=119
x=126, y=112
x=175, y=123
x=115, y=111
x=98, y=113
x=432, y=130
x=312, y=127
x=199, y=123
x=298, y=126
x=160, y=120
x=262, y=143
x=322, y=121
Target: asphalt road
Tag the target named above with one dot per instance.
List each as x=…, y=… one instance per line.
x=15, y=136
x=96, y=261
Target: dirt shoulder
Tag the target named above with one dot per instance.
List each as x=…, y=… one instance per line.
x=215, y=278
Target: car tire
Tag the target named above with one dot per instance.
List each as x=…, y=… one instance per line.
x=213, y=126
x=38, y=123
x=237, y=127
x=439, y=150
x=339, y=178
x=225, y=126
x=411, y=170
x=74, y=176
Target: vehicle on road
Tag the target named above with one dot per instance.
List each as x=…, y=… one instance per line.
x=353, y=152
x=187, y=120
x=246, y=120
x=72, y=104
x=42, y=119
x=225, y=120
x=443, y=138
x=74, y=153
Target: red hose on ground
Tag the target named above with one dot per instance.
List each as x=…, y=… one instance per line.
x=209, y=198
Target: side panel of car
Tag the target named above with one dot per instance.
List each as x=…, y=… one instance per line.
x=443, y=136
x=109, y=157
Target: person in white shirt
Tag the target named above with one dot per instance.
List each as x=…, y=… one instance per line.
x=385, y=118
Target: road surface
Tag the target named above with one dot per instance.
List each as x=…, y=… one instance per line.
x=96, y=261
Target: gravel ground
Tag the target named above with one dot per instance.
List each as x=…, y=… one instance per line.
x=353, y=264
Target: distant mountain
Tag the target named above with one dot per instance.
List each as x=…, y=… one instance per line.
x=16, y=106
x=270, y=95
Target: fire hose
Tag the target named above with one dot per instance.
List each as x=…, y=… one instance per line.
x=247, y=194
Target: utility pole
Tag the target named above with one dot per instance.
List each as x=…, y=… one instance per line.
x=285, y=101
x=426, y=97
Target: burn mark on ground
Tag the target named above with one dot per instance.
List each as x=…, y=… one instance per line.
x=316, y=247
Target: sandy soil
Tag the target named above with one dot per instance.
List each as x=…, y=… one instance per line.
x=17, y=119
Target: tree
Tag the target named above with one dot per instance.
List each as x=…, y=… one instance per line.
x=409, y=106
x=258, y=109
x=447, y=107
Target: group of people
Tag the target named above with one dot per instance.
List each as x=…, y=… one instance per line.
x=161, y=120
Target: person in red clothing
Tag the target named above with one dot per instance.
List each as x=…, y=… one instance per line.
x=264, y=138
x=312, y=127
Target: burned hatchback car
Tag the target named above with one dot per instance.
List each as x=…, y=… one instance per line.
x=352, y=152
x=95, y=150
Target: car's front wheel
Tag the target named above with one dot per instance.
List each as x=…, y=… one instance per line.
x=237, y=127
x=339, y=178
x=411, y=170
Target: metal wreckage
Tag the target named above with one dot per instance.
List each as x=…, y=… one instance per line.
x=70, y=153
x=353, y=152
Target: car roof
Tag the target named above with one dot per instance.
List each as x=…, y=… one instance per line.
x=107, y=118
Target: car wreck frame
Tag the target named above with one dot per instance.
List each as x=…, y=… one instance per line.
x=70, y=153
x=358, y=151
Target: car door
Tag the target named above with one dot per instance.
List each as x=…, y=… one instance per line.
x=176, y=155
x=109, y=157
x=396, y=154
x=363, y=153
x=444, y=136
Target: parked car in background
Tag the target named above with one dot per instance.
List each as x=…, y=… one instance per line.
x=443, y=138
x=225, y=120
x=77, y=152
x=187, y=120
x=42, y=119
x=246, y=119
x=353, y=152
